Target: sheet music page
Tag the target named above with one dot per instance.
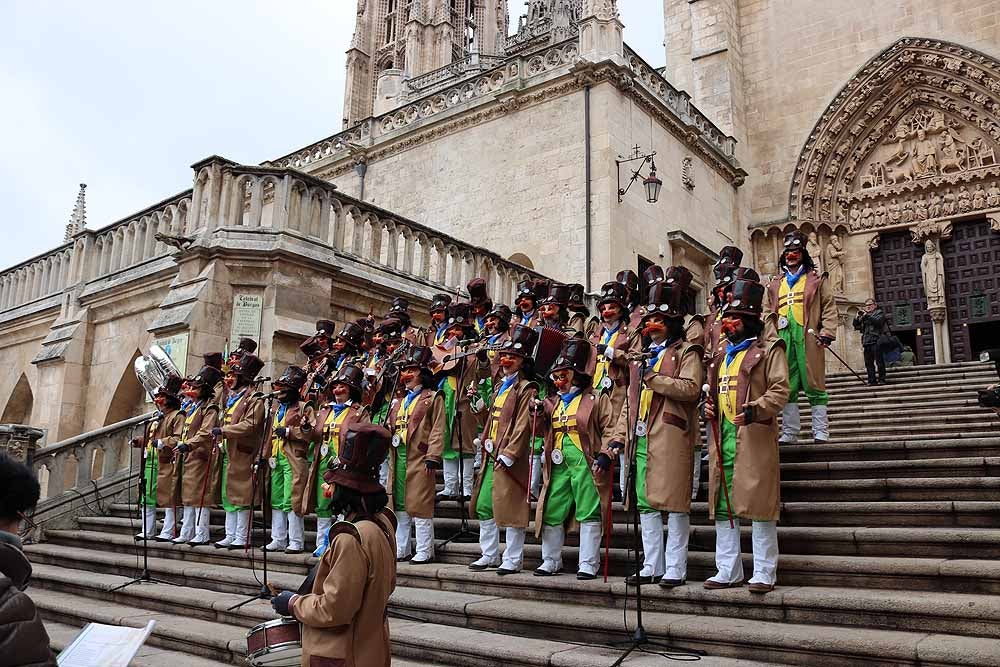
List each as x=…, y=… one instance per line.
x=105, y=646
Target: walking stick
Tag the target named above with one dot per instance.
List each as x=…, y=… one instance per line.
x=838, y=357
x=531, y=454
x=718, y=455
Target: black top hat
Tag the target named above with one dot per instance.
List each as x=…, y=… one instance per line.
x=170, y=388
x=669, y=298
x=652, y=275
x=361, y=453
x=745, y=298
x=628, y=279
x=522, y=341
x=391, y=328
x=417, y=355
x=399, y=304
x=459, y=315
x=353, y=376
x=557, y=294
x=325, y=327
x=213, y=359
x=440, y=302
x=575, y=354
x=247, y=367
x=353, y=334
x=477, y=290
x=725, y=283
x=729, y=258
x=614, y=292
x=576, y=302
x=503, y=313
x=293, y=378
x=248, y=345
x=311, y=347
x=207, y=377
x=526, y=288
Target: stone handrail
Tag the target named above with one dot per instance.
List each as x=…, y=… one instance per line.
x=679, y=102
x=423, y=84
x=271, y=199
x=93, y=254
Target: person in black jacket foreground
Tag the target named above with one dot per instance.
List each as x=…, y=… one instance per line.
x=870, y=321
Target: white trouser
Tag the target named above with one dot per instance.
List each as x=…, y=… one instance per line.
x=536, y=475
x=765, y=552
x=489, y=543
x=242, y=528
x=821, y=425
x=590, y=547
x=279, y=530
x=383, y=472
x=230, y=530
x=728, y=564
x=791, y=423
x=678, y=531
x=148, y=518
x=552, y=544
x=696, y=475
x=478, y=461
x=451, y=475
x=187, y=525
x=203, y=517
x=296, y=531
x=169, y=519
x=651, y=524
x=425, y=539
x=403, y=525
x=513, y=554
x=323, y=525
x=621, y=474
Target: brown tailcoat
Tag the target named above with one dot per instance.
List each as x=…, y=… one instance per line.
x=424, y=442
x=196, y=484
x=471, y=422
x=244, y=437
x=674, y=428
x=510, y=485
x=820, y=311
x=296, y=447
x=595, y=423
x=762, y=383
x=629, y=341
x=356, y=414
x=168, y=430
x=344, y=622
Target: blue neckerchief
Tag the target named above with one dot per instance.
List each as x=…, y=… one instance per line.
x=568, y=397
x=507, y=383
x=732, y=349
x=338, y=408
x=608, y=333
x=340, y=362
x=193, y=407
x=792, y=278
x=527, y=317
x=232, y=400
x=411, y=396
x=657, y=350
x=481, y=323
x=282, y=409
x=494, y=337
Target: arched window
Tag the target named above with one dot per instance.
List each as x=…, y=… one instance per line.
x=522, y=259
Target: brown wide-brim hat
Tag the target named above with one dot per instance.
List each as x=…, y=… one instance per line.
x=361, y=453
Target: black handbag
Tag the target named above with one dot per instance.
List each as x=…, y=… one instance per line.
x=887, y=341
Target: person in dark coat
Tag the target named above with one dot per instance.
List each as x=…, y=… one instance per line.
x=870, y=321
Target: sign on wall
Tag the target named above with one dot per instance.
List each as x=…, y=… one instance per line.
x=176, y=347
x=247, y=310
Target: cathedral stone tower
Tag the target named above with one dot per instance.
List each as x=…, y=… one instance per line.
x=397, y=40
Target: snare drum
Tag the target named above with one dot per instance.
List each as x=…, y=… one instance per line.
x=277, y=643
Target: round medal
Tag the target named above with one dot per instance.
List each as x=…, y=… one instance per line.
x=273, y=462
x=640, y=428
x=782, y=322
x=324, y=450
x=557, y=456
x=606, y=383
x=396, y=440
x=488, y=445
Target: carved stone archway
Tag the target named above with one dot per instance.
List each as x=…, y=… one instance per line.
x=914, y=137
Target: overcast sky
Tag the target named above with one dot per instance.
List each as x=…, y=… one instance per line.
x=125, y=96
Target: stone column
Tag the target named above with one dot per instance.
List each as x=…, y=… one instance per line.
x=942, y=338
x=19, y=441
x=933, y=275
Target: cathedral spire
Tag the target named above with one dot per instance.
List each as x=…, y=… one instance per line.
x=78, y=220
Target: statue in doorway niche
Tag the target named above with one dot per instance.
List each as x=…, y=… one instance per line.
x=932, y=268
x=835, y=264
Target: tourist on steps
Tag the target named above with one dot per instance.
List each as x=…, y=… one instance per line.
x=870, y=321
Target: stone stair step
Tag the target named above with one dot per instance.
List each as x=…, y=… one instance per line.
x=894, y=448
x=888, y=489
x=61, y=635
x=971, y=466
x=956, y=369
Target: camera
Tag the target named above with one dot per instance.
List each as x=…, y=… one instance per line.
x=990, y=397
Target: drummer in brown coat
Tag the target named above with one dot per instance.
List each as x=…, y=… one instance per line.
x=241, y=433
x=662, y=413
x=500, y=499
x=417, y=420
x=578, y=423
x=343, y=607
x=199, y=450
x=291, y=432
x=748, y=385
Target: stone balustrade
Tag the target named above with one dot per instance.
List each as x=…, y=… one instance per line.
x=428, y=82
x=95, y=254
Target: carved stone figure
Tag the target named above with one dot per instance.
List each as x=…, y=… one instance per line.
x=978, y=197
x=907, y=214
x=964, y=200
x=880, y=212
x=835, y=263
x=993, y=195
x=855, y=217
x=925, y=161
x=812, y=246
x=867, y=214
x=932, y=268
x=949, y=207
x=935, y=208
x=920, y=208
x=895, y=214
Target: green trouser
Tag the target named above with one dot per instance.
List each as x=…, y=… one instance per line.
x=322, y=502
x=382, y=412
x=571, y=487
x=450, y=395
x=484, y=502
x=281, y=483
x=399, y=481
x=798, y=376
x=152, y=469
x=728, y=463
x=640, y=471
x=539, y=442
x=226, y=505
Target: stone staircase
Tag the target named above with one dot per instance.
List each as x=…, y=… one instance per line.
x=890, y=555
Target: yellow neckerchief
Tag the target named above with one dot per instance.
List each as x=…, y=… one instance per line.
x=792, y=299
x=227, y=419
x=498, y=404
x=728, y=378
x=564, y=422
x=187, y=422
x=373, y=359
x=604, y=360
x=278, y=444
x=646, y=397
x=331, y=430
x=403, y=417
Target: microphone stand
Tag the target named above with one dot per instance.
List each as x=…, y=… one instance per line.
x=144, y=577
x=464, y=534
x=261, y=480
